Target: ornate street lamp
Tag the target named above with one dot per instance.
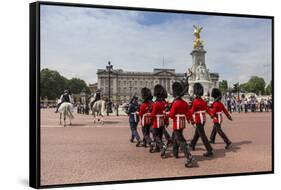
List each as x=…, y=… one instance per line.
x=109, y=68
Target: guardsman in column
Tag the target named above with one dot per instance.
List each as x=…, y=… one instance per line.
x=180, y=115
x=166, y=120
x=134, y=119
x=218, y=109
x=145, y=109
x=158, y=118
x=198, y=110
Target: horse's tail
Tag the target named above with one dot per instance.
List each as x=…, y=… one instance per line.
x=69, y=111
x=102, y=107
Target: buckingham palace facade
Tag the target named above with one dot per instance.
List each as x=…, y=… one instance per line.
x=125, y=84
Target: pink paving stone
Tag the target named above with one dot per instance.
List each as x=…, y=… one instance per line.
x=86, y=152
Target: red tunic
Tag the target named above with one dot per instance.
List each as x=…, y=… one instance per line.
x=144, y=113
x=217, y=110
x=180, y=114
x=199, y=109
x=157, y=114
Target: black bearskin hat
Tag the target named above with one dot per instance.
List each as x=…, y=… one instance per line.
x=159, y=91
x=177, y=89
x=146, y=93
x=216, y=93
x=165, y=93
x=198, y=89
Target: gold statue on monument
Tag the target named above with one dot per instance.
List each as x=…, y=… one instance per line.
x=197, y=43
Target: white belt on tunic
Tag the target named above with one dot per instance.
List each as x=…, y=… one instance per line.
x=144, y=115
x=201, y=115
x=219, y=117
x=158, y=116
x=178, y=119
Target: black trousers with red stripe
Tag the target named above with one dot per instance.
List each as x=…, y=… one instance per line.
x=146, y=134
x=180, y=142
x=217, y=129
x=200, y=132
x=158, y=135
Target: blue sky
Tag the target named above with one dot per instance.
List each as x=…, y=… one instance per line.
x=78, y=41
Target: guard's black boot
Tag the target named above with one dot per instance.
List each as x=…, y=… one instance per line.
x=208, y=154
x=163, y=151
x=151, y=148
x=144, y=144
x=138, y=144
x=131, y=140
x=192, y=146
x=176, y=155
x=227, y=145
x=189, y=163
x=156, y=150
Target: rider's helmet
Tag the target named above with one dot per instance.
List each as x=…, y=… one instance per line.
x=66, y=92
x=98, y=91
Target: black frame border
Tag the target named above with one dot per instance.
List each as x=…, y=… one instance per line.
x=34, y=93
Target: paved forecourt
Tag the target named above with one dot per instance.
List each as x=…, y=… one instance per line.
x=88, y=152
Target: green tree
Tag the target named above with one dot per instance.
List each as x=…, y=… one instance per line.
x=268, y=89
x=255, y=84
x=244, y=87
x=76, y=86
x=223, y=86
x=52, y=83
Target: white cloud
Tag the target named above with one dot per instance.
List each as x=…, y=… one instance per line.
x=78, y=41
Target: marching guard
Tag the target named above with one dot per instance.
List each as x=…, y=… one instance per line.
x=217, y=109
x=180, y=115
x=145, y=109
x=166, y=119
x=158, y=119
x=199, y=110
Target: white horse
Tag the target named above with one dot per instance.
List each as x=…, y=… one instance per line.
x=65, y=109
x=98, y=109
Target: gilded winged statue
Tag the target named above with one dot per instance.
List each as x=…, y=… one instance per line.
x=198, y=43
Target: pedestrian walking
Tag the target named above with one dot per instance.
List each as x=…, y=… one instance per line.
x=134, y=119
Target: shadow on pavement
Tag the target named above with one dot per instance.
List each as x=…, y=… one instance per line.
x=111, y=122
x=218, y=153
x=77, y=125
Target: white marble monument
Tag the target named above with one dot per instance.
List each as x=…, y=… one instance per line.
x=199, y=71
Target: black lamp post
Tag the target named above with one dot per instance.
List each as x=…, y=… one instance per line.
x=236, y=88
x=109, y=67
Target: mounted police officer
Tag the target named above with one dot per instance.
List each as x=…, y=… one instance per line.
x=97, y=96
x=65, y=97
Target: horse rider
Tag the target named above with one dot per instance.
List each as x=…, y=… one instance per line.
x=97, y=96
x=65, y=97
